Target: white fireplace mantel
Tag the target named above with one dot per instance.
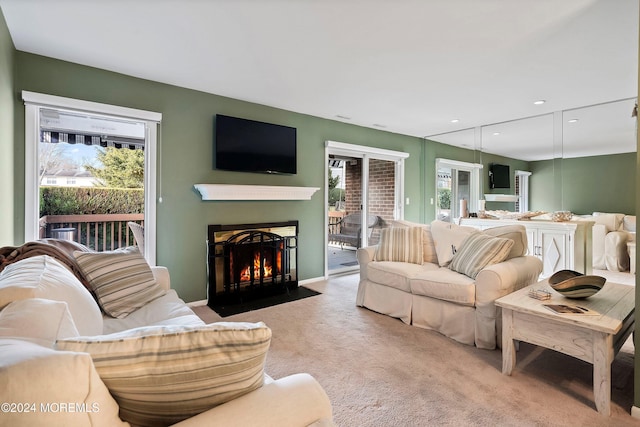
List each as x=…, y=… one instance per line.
x=254, y=192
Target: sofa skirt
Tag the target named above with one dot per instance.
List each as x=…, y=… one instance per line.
x=385, y=300
x=459, y=322
x=452, y=320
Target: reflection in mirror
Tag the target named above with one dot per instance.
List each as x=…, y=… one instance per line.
x=522, y=144
x=599, y=158
x=456, y=180
x=575, y=157
x=462, y=138
x=529, y=139
x=599, y=130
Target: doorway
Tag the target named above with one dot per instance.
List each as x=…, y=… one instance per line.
x=364, y=193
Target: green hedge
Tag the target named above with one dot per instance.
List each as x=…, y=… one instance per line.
x=444, y=198
x=90, y=200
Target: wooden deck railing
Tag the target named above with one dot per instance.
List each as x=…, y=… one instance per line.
x=98, y=232
x=334, y=221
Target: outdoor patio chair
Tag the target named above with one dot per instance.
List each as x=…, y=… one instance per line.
x=349, y=229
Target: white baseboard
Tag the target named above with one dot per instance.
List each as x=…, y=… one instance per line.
x=635, y=412
x=307, y=281
x=197, y=303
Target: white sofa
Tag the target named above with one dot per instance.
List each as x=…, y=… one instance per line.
x=427, y=293
x=47, y=314
x=611, y=233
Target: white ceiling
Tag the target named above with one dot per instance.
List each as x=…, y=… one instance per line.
x=405, y=66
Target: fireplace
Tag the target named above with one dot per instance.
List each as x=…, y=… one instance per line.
x=251, y=261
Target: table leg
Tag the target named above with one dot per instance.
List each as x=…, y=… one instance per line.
x=508, y=344
x=602, y=359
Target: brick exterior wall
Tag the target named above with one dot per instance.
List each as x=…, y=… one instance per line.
x=352, y=185
x=381, y=190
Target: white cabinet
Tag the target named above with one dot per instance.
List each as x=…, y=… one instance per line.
x=560, y=245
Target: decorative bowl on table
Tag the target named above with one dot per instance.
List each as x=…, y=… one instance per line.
x=572, y=284
x=561, y=216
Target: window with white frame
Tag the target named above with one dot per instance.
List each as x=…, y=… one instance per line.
x=522, y=190
x=41, y=107
x=456, y=181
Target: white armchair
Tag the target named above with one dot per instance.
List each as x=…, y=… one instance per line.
x=611, y=233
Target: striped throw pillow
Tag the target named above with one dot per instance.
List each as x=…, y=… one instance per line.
x=428, y=246
x=164, y=374
x=478, y=251
x=122, y=280
x=402, y=244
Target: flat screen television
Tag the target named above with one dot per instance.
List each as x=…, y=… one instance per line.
x=251, y=146
x=499, y=176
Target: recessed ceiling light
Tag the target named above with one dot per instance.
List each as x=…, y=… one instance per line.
x=455, y=120
x=572, y=120
x=340, y=116
x=496, y=133
x=539, y=102
x=378, y=125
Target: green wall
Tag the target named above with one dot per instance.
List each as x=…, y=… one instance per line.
x=585, y=185
x=186, y=155
x=7, y=53
x=187, y=158
x=544, y=185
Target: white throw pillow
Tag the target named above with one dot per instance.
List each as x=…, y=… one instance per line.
x=121, y=279
x=138, y=234
x=45, y=277
x=629, y=223
x=611, y=221
x=402, y=244
x=38, y=320
x=164, y=374
x=447, y=238
x=64, y=387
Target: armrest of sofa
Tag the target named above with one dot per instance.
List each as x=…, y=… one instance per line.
x=161, y=274
x=616, y=255
x=365, y=255
x=598, y=234
x=296, y=401
x=494, y=282
x=497, y=280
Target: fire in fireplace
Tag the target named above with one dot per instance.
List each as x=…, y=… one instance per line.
x=255, y=257
x=260, y=268
x=251, y=261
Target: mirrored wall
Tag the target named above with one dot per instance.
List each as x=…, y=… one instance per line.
x=579, y=159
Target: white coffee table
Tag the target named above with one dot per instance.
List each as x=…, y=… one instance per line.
x=594, y=339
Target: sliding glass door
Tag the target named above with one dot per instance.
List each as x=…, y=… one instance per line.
x=364, y=193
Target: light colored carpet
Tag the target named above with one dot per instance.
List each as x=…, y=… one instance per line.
x=378, y=371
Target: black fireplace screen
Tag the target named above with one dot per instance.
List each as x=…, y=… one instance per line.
x=255, y=257
x=251, y=261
